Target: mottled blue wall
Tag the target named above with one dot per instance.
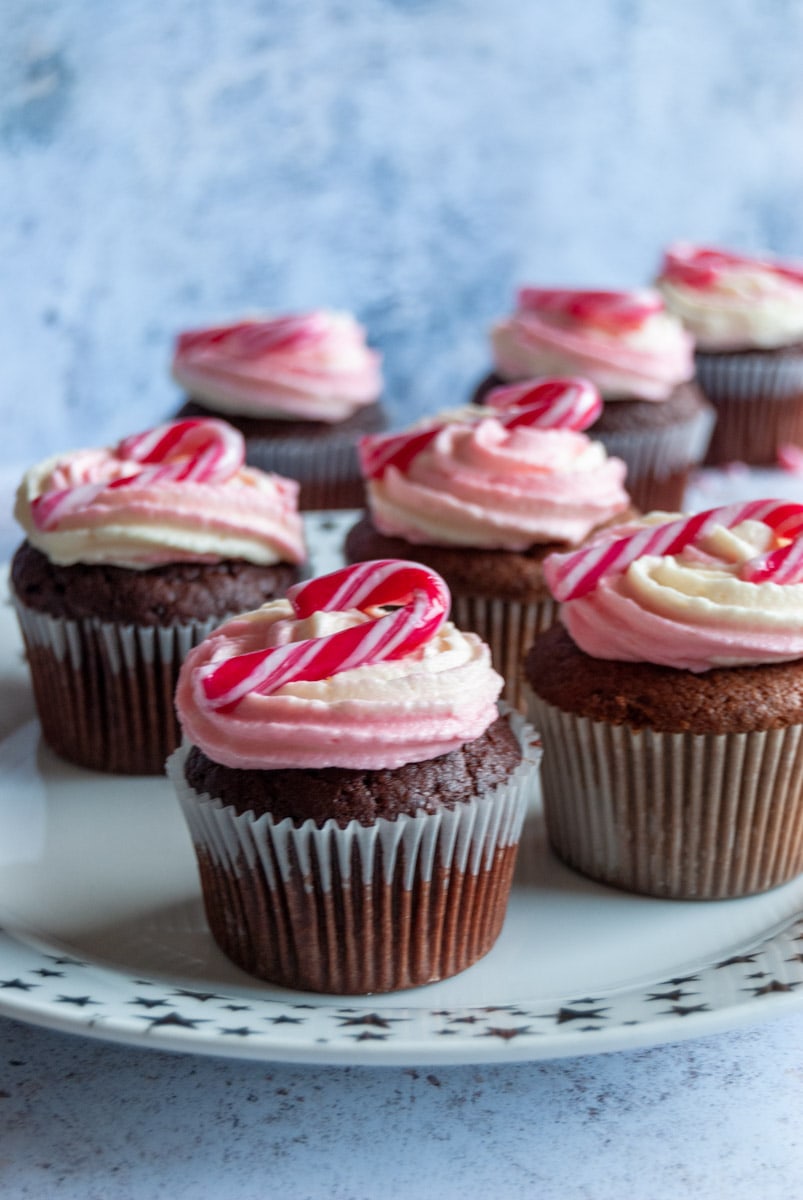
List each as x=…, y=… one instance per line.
x=164, y=162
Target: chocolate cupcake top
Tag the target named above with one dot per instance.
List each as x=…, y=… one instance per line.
x=515, y=473
x=626, y=343
x=312, y=366
x=732, y=301
x=356, y=669
x=176, y=493
x=722, y=588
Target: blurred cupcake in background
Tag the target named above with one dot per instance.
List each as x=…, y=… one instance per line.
x=641, y=360
x=746, y=316
x=354, y=797
x=482, y=495
x=133, y=553
x=300, y=388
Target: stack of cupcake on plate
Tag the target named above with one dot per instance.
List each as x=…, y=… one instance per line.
x=746, y=316
x=133, y=553
x=354, y=797
x=482, y=495
x=639, y=357
x=300, y=388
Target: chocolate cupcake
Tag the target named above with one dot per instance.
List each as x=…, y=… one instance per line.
x=639, y=357
x=483, y=496
x=301, y=389
x=132, y=555
x=670, y=702
x=354, y=798
x=746, y=316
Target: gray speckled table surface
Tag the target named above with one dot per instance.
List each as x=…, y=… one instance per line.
x=716, y=1117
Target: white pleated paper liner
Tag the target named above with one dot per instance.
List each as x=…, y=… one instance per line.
x=509, y=627
x=363, y=908
x=104, y=691
x=759, y=403
x=659, y=459
x=327, y=468
x=678, y=815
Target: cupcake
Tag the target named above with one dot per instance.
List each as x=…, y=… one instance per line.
x=483, y=496
x=746, y=316
x=301, y=389
x=670, y=701
x=640, y=358
x=132, y=555
x=354, y=798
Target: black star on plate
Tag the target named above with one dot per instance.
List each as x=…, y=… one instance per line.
x=579, y=1014
x=796, y=958
x=586, y=1000
x=773, y=986
x=736, y=959
x=236, y=1007
x=312, y=1006
x=446, y=1032
x=63, y=961
x=758, y=974
x=202, y=996
x=46, y=974
x=285, y=1020
x=78, y=1001
x=367, y=1036
x=685, y=1010
x=240, y=1031
x=19, y=984
x=505, y=1033
x=464, y=1020
x=142, y=1002
x=371, y=1019
x=682, y=979
x=174, y=1018
x=678, y=994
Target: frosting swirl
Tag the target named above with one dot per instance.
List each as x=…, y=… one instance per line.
x=731, y=301
x=106, y=506
x=383, y=715
x=695, y=609
x=314, y=366
x=478, y=483
x=624, y=342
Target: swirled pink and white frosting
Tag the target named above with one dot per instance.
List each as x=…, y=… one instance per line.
x=691, y=610
x=480, y=484
x=313, y=366
x=624, y=342
x=732, y=301
x=243, y=513
x=383, y=715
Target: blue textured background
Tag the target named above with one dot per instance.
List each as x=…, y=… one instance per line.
x=166, y=163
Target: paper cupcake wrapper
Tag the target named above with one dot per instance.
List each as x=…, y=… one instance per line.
x=103, y=691
x=509, y=628
x=678, y=815
x=327, y=469
x=659, y=460
x=360, y=909
x=759, y=402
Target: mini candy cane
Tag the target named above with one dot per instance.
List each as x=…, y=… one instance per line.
x=620, y=310
x=251, y=339
x=579, y=571
x=422, y=594
x=198, y=450
x=545, y=404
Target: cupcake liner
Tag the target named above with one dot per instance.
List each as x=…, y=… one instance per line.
x=509, y=627
x=363, y=908
x=759, y=403
x=104, y=691
x=659, y=459
x=678, y=815
x=327, y=469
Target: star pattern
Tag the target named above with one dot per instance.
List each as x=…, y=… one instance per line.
x=143, y=1002
x=506, y=1033
x=18, y=984
x=175, y=1019
x=78, y=1001
x=774, y=985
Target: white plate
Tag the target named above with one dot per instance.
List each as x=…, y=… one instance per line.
x=104, y=934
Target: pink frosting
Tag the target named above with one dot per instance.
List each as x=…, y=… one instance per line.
x=480, y=484
x=624, y=342
x=417, y=707
x=249, y=514
x=314, y=366
x=693, y=610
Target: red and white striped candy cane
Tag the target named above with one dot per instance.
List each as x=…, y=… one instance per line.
x=424, y=600
x=198, y=450
x=578, y=572
x=251, y=339
x=544, y=404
